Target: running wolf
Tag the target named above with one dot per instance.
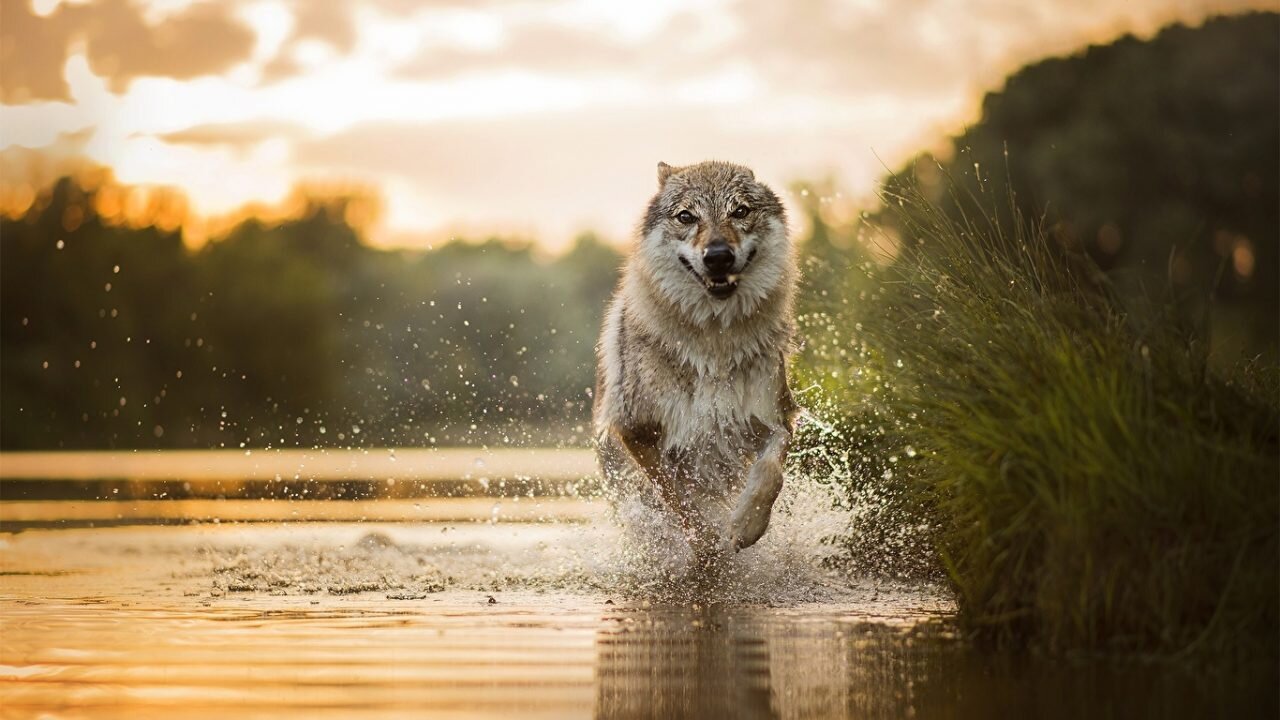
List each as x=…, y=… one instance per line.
x=691, y=405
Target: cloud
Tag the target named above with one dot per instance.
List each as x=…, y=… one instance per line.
x=818, y=47
x=825, y=46
x=555, y=174
x=807, y=46
x=675, y=48
x=34, y=169
x=540, y=48
x=236, y=134
x=849, y=48
x=202, y=39
x=32, y=52
x=329, y=21
x=336, y=24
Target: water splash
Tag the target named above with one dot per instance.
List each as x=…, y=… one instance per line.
x=637, y=553
x=788, y=565
x=837, y=528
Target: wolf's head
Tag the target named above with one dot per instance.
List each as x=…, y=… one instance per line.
x=715, y=239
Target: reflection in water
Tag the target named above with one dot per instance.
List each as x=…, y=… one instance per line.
x=672, y=663
x=725, y=662
x=343, y=620
x=720, y=662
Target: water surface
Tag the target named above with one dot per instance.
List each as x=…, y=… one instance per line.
x=483, y=619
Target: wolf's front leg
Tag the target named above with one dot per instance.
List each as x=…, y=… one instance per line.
x=644, y=447
x=764, y=481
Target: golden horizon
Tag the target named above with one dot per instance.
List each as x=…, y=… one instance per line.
x=538, y=123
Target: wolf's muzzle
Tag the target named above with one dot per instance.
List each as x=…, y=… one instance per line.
x=723, y=285
x=718, y=259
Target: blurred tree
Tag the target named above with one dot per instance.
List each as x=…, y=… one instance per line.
x=824, y=264
x=269, y=312
x=94, y=321
x=1161, y=157
x=286, y=334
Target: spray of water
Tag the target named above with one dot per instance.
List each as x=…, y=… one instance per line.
x=635, y=552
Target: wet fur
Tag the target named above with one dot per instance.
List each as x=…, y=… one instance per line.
x=691, y=402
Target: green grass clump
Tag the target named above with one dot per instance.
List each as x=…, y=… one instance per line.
x=1091, y=483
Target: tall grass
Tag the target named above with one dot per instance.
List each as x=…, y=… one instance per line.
x=1088, y=482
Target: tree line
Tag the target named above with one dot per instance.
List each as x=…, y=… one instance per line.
x=295, y=333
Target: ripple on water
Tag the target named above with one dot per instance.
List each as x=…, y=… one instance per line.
x=553, y=620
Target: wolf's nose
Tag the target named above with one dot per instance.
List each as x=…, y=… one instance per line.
x=718, y=258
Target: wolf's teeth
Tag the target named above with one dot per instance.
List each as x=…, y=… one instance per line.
x=733, y=278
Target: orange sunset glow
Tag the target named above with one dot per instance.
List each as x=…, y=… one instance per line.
x=534, y=119
x=639, y=359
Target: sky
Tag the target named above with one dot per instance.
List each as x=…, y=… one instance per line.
x=533, y=118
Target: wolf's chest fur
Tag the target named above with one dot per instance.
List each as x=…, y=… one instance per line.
x=718, y=402
x=712, y=390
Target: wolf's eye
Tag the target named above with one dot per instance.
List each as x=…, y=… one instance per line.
x=686, y=217
x=740, y=212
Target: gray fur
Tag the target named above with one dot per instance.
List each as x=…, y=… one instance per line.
x=691, y=397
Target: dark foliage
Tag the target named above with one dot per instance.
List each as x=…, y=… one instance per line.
x=288, y=334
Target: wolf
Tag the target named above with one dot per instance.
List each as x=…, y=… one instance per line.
x=691, y=408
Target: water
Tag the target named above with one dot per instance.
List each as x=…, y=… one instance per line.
x=486, y=619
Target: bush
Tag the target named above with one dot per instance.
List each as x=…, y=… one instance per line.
x=1089, y=482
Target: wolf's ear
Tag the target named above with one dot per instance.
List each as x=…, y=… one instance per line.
x=664, y=172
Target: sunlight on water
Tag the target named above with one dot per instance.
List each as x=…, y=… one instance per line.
x=485, y=620
x=533, y=606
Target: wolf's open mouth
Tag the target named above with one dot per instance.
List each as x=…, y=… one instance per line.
x=721, y=286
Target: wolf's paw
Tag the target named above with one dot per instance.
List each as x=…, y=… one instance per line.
x=751, y=515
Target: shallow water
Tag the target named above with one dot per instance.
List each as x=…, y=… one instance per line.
x=480, y=619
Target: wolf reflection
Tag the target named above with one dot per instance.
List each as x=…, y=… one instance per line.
x=725, y=661
x=720, y=661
